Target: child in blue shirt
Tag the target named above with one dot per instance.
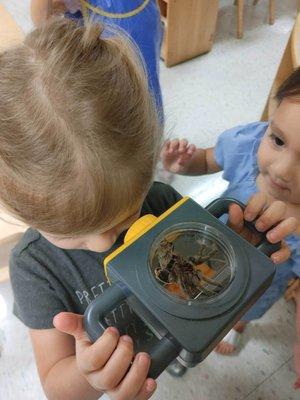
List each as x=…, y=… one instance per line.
x=257, y=157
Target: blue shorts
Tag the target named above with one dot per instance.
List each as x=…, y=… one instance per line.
x=283, y=274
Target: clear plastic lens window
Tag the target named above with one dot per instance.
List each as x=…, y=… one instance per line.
x=192, y=261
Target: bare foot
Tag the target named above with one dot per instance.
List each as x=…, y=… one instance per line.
x=297, y=364
x=297, y=384
x=225, y=347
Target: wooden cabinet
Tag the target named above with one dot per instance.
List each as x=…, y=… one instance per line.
x=289, y=63
x=189, y=28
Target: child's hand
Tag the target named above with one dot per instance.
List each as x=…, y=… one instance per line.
x=107, y=364
x=268, y=216
x=176, y=155
x=293, y=290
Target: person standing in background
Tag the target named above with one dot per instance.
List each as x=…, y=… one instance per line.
x=140, y=19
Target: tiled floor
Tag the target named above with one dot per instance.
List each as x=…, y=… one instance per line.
x=202, y=97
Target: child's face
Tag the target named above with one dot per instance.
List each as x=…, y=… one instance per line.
x=98, y=242
x=279, y=153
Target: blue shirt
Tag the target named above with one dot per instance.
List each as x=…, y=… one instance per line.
x=236, y=154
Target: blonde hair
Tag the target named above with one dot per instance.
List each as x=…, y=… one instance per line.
x=79, y=132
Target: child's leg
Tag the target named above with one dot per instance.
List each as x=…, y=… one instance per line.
x=229, y=345
x=297, y=343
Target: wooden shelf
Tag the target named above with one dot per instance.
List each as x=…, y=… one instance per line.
x=189, y=28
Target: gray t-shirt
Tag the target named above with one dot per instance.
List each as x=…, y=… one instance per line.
x=47, y=280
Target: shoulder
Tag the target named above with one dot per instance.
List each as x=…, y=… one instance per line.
x=159, y=198
x=237, y=147
x=29, y=249
x=21, y=260
x=33, y=281
x=30, y=255
x=242, y=135
x=29, y=237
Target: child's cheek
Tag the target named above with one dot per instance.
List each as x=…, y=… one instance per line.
x=261, y=159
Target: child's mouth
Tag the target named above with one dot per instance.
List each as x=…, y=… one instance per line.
x=276, y=185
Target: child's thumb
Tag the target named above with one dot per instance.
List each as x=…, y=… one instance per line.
x=72, y=324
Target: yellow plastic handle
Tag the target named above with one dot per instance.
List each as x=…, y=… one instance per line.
x=138, y=228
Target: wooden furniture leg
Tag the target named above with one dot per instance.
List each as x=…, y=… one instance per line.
x=271, y=12
x=284, y=70
x=290, y=62
x=240, y=19
x=189, y=28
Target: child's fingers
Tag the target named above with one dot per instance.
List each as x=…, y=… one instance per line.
x=255, y=206
x=181, y=161
x=173, y=146
x=292, y=281
x=292, y=289
x=135, y=385
x=90, y=356
x=115, y=368
x=72, y=324
x=235, y=218
x=165, y=148
x=271, y=216
x=289, y=294
x=96, y=355
x=184, y=159
x=182, y=148
x=191, y=149
x=281, y=255
x=147, y=390
x=283, y=229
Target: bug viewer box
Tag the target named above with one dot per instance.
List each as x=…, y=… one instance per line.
x=188, y=276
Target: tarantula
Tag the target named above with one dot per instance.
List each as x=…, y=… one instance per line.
x=184, y=275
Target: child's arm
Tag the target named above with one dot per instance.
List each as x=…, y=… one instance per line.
x=56, y=364
x=293, y=292
x=41, y=10
x=297, y=343
x=95, y=368
x=180, y=157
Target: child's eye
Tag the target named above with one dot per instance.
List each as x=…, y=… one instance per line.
x=278, y=142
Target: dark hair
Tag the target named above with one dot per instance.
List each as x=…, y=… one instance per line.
x=290, y=87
